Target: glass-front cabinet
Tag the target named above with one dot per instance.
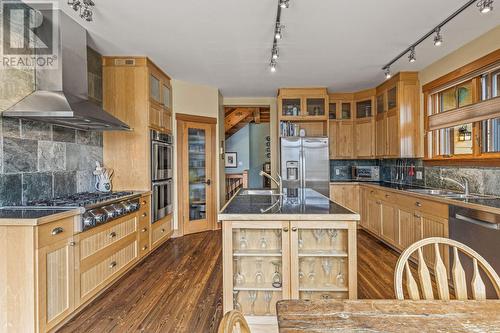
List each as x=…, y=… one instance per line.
x=315, y=106
x=291, y=107
x=303, y=104
x=266, y=261
x=154, y=88
x=345, y=112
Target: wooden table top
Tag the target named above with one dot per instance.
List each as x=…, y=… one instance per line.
x=388, y=316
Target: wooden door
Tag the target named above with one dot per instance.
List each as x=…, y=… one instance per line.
x=364, y=138
x=345, y=139
x=56, y=283
x=389, y=226
x=197, y=200
x=256, y=259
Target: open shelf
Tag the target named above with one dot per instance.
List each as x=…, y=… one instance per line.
x=258, y=253
x=321, y=253
x=250, y=286
x=324, y=288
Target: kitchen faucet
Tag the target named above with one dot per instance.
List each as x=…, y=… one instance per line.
x=278, y=182
x=464, y=186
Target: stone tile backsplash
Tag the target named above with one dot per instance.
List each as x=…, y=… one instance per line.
x=39, y=160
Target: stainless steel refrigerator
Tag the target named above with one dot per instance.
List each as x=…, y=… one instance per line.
x=305, y=163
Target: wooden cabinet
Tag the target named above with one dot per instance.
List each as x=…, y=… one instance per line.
x=408, y=226
x=161, y=231
x=346, y=195
x=266, y=261
x=56, y=282
x=389, y=229
x=374, y=214
x=364, y=138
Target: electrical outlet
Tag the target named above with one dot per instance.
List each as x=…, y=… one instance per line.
x=337, y=172
x=419, y=175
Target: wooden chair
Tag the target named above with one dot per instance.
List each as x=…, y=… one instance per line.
x=440, y=273
x=233, y=321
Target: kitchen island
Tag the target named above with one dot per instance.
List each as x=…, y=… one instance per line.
x=299, y=245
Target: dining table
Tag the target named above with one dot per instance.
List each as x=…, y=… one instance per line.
x=402, y=316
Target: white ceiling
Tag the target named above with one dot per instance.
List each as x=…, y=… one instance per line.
x=340, y=44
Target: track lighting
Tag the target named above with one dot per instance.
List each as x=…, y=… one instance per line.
x=387, y=73
x=411, y=57
x=284, y=3
x=272, y=66
x=485, y=6
x=84, y=7
x=275, y=52
x=438, y=39
x=278, y=34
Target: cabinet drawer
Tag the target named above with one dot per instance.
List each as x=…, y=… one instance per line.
x=53, y=232
x=425, y=206
x=144, y=246
x=102, y=238
x=161, y=230
x=93, y=277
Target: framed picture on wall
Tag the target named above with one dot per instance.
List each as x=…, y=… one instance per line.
x=231, y=160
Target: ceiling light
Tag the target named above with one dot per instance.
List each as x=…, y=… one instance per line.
x=278, y=33
x=275, y=53
x=438, y=39
x=272, y=66
x=284, y=3
x=387, y=73
x=411, y=57
x=485, y=6
x=84, y=7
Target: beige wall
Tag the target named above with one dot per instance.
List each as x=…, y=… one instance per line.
x=261, y=101
x=193, y=99
x=471, y=51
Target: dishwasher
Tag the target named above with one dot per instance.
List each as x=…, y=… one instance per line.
x=480, y=231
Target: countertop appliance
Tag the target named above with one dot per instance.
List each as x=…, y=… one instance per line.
x=305, y=163
x=162, y=160
x=365, y=173
x=61, y=92
x=98, y=207
x=480, y=231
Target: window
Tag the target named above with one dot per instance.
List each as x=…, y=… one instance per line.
x=476, y=140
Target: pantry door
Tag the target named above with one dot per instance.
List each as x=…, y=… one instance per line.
x=197, y=188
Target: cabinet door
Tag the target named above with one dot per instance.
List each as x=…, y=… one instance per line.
x=320, y=260
x=291, y=106
x=315, y=107
x=166, y=96
x=333, y=137
x=374, y=215
x=393, y=139
x=351, y=197
x=56, y=283
x=380, y=135
x=155, y=116
x=389, y=226
x=408, y=226
x=364, y=138
x=337, y=193
x=433, y=226
x=154, y=89
x=345, y=139
x=363, y=209
x=256, y=266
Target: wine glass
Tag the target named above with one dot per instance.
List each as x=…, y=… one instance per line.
x=340, y=275
x=278, y=237
x=276, y=278
x=236, y=304
x=333, y=233
x=239, y=278
x=301, y=241
x=312, y=273
x=318, y=234
x=263, y=241
x=268, y=296
x=252, y=297
x=327, y=268
x=259, y=275
x=243, y=240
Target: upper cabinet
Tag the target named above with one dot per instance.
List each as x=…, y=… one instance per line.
x=303, y=109
x=364, y=132
x=154, y=88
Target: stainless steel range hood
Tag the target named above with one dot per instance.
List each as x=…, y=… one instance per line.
x=61, y=95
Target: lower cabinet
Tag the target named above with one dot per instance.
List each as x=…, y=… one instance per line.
x=266, y=261
x=389, y=228
x=161, y=231
x=346, y=195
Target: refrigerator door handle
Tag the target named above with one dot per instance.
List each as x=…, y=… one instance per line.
x=302, y=167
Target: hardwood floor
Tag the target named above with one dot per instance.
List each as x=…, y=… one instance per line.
x=178, y=288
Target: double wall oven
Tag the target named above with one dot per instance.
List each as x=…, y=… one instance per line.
x=162, y=155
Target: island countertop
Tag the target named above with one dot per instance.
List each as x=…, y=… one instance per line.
x=298, y=204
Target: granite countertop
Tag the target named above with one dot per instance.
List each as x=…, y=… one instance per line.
x=33, y=216
x=481, y=202
x=293, y=205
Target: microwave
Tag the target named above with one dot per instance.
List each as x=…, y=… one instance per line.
x=162, y=156
x=365, y=173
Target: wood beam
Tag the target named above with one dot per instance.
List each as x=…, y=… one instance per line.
x=236, y=116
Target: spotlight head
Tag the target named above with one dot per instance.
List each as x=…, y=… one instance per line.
x=275, y=53
x=438, y=39
x=272, y=66
x=411, y=57
x=387, y=73
x=284, y=3
x=485, y=6
x=277, y=32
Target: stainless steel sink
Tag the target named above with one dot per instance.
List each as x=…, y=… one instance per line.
x=432, y=191
x=259, y=192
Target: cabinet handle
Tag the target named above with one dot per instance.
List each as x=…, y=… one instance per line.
x=57, y=231
x=144, y=214
x=144, y=248
x=294, y=229
x=144, y=230
x=418, y=204
x=144, y=202
x=378, y=202
x=372, y=192
x=417, y=215
x=72, y=243
x=387, y=195
x=162, y=230
x=112, y=235
x=112, y=264
x=285, y=229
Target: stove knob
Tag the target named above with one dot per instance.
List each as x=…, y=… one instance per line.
x=135, y=206
x=110, y=212
x=100, y=217
x=118, y=209
x=88, y=222
x=128, y=206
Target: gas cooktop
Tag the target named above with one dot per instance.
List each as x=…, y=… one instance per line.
x=83, y=199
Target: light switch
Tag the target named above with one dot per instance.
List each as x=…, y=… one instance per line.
x=419, y=175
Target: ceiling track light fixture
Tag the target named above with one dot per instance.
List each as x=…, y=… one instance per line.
x=484, y=6
x=278, y=34
x=84, y=7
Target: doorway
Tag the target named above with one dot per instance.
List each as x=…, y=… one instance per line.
x=247, y=147
x=196, y=156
